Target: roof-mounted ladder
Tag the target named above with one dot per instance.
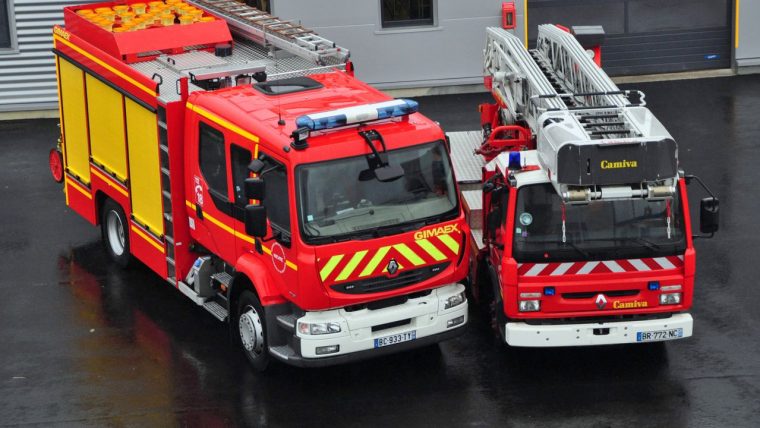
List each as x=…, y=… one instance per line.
x=270, y=31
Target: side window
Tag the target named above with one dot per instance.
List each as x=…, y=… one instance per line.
x=406, y=13
x=240, y=159
x=277, y=202
x=213, y=162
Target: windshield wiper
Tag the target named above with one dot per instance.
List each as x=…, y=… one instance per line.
x=580, y=251
x=398, y=228
x=331, y=220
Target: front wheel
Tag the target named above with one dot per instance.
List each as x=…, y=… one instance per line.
x=113, y=227
x=251, y=330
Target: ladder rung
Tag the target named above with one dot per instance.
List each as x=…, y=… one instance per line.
x=597, y=124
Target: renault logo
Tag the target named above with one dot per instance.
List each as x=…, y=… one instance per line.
x=601, y=302
x=392, y=267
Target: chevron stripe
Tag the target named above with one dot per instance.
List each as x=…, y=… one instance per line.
x=330, y=266
x=349, y=269
x=374, y=261
x=409, y=254
x=450, y=242
x=434, y=252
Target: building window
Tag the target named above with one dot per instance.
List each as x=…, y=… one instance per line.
x=7, y=26
x=406, y=13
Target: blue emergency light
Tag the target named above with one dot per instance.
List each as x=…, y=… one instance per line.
x=358, y=114
x=549, y=291
x=514, y=160
x=653, y=285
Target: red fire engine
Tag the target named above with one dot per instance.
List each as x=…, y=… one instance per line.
x=314, y=214
x=581, y=233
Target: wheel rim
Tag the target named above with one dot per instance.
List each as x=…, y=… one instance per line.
x=56, y=166
x=115, y=230
x=251, y=331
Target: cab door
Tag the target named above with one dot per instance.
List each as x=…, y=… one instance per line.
x=210, y=210
x=277, y=248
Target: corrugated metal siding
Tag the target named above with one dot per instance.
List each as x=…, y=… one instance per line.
x=27, y=78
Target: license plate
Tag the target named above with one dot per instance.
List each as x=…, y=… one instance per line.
x=651, y=336
x=396, y=338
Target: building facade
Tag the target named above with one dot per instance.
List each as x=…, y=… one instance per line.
x=434, y=43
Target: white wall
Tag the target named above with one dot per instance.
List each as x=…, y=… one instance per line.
x=448, y=53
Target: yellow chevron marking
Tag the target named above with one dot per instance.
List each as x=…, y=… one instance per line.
x=330, y=266
x=431, y=249
x=409, y=254
x=374, y=261
x=349, y=269
x=450, y=242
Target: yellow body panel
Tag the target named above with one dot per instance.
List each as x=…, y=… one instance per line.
x=74, y=121
x=145, y=178
x=106, y=127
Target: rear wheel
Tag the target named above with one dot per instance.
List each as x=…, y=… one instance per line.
x=113, y=227
x=55, y=160
x=251, y=330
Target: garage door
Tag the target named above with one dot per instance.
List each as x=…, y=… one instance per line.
x=647, y=36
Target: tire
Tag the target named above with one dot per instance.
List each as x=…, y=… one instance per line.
x=114, y=232
x=250, y=330
x=496, y=314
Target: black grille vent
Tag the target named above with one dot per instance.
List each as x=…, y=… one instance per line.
x=383, y=283
x=589, y=294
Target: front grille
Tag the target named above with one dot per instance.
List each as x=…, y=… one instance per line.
x=589, y=294
x=387, y=303
x=384, y=283
x=386, y=326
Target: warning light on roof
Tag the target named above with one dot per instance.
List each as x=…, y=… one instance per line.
x=514, y=160
x=358, y=114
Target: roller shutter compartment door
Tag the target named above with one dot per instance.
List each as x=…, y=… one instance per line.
x=145, y=175
x=647, y=36
x=74, y=110
x=106, y=112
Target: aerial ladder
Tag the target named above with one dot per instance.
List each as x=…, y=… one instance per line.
x=576, y=115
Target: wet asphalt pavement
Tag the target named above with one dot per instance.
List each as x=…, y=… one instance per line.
x=85, y=343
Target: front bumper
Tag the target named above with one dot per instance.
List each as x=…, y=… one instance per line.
x=426, y=316
x=610, y=333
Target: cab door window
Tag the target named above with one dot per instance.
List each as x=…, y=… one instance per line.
x=213, y=162
x=240, y=159
x=277, y=200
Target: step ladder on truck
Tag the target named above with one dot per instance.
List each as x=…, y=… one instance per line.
x=235, y=155
x=578, y=210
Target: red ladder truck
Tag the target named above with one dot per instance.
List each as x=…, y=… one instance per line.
x=580, y=227
x=236, y=156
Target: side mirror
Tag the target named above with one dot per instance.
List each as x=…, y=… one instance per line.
x=256, y=221
x=709, y=214
x=254, y=188
x=388, y=173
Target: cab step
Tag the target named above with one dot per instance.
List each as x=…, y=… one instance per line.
x=216, y=310
x=288, y=322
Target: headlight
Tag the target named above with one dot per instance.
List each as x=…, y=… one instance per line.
x=530, y=305
x=454, y=300
x=670, y=298
x=318, y=328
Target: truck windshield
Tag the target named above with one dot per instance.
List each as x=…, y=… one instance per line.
x=342, y=199
x=599, y=230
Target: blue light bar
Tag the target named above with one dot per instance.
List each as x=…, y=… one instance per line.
x=653, y=285
x=358, y=114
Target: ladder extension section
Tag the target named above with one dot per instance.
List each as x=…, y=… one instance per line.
x=517, y=79
x=576, y=73
x=270, y=31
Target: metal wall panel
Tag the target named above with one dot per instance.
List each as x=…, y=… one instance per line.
x=647, y=36
x=27, y=77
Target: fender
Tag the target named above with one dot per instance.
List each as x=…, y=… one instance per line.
x=259, y=274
